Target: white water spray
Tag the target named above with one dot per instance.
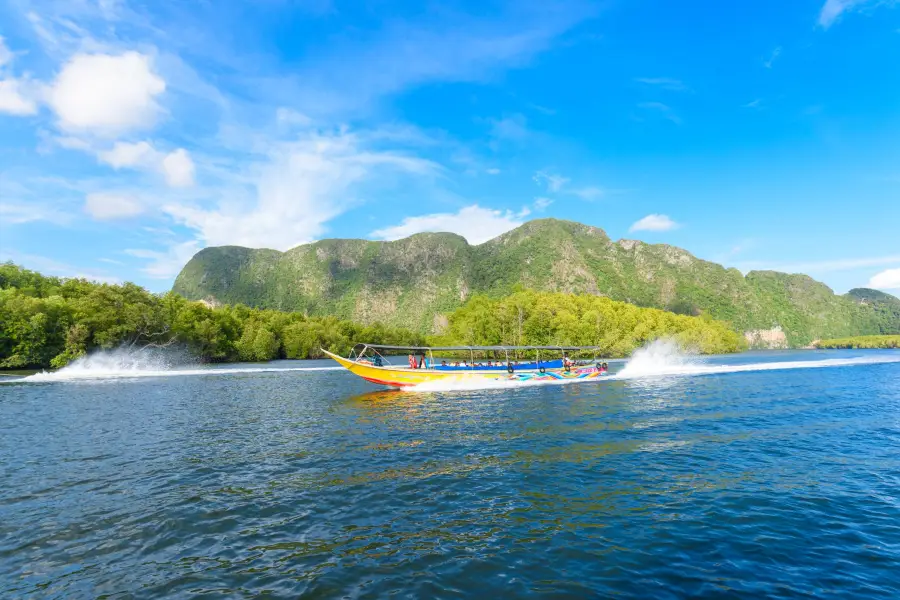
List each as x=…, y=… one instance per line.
x=127, y=364
x=662, y=356
x=665, y=359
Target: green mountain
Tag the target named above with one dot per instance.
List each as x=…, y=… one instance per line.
x=885, y=307
x=415, y=281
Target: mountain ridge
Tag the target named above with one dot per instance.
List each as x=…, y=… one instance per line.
x=415, y=280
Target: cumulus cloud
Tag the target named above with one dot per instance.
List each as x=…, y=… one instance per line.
x=178, y=168
x=889, y=279
x=306, y=184
x=106, y=95
x=654, y=223
x=124, y=154
x=108, y=206
x=474, y=223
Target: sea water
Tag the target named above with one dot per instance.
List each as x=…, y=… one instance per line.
x=771, y=474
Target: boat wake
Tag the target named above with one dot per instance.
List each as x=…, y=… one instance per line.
x=129, y=364
x=660, y=360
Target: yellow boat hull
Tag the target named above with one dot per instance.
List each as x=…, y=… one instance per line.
x=404, y=377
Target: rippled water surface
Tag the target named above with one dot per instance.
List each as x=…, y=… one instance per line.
x=720, y=479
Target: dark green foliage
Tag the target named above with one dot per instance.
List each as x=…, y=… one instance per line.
x=45, y=321
x=546, y=318
x=411, y=282
x=863, y=341
x=885, y=307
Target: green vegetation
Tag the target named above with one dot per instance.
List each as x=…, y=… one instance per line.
x=547, y=318
x=862, y=341
x=886, y=308
x=411, y=282
x=48, y=322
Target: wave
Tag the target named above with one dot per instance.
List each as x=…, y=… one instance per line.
x=664, y=359
x=129, y=364
x=660, y=359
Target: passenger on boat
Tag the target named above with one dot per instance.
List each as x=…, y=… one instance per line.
x=443, y=363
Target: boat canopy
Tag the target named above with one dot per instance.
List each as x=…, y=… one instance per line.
x=479, y=348
x=380, y=351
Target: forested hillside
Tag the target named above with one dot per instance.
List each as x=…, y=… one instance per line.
x=417, y=280
x=45, y=321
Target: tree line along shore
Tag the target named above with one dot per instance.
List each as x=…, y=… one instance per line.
x=49, y=322
x=871, y=342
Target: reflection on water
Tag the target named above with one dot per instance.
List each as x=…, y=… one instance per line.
x=290, y=483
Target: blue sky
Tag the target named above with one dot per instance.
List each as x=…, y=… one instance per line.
x=758, y=134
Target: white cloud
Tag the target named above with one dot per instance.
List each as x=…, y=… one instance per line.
x=17, y=213
x=553, y=181
x=49, y=266
x=753, y=104
x=833, y=9
x=123, y=154
x=6, y=56
x=14, y=99
x=821, y=266
x=663, y=109
x=474, y=223
x=493, y=171
x=842, y=264
x=16, y=95
x=165, y=265
x=654, y=223
x=666, y=83
x=589, y=193
x=292, y=118
x=541, y=203
x=106, y=206
x=445, y=45
x=106, y=94
x=888, y=279
x=178, y=168
x=306, y=184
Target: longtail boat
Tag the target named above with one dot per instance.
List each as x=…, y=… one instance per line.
x=372, y=363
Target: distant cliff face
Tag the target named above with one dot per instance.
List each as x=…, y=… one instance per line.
x=414, y=281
